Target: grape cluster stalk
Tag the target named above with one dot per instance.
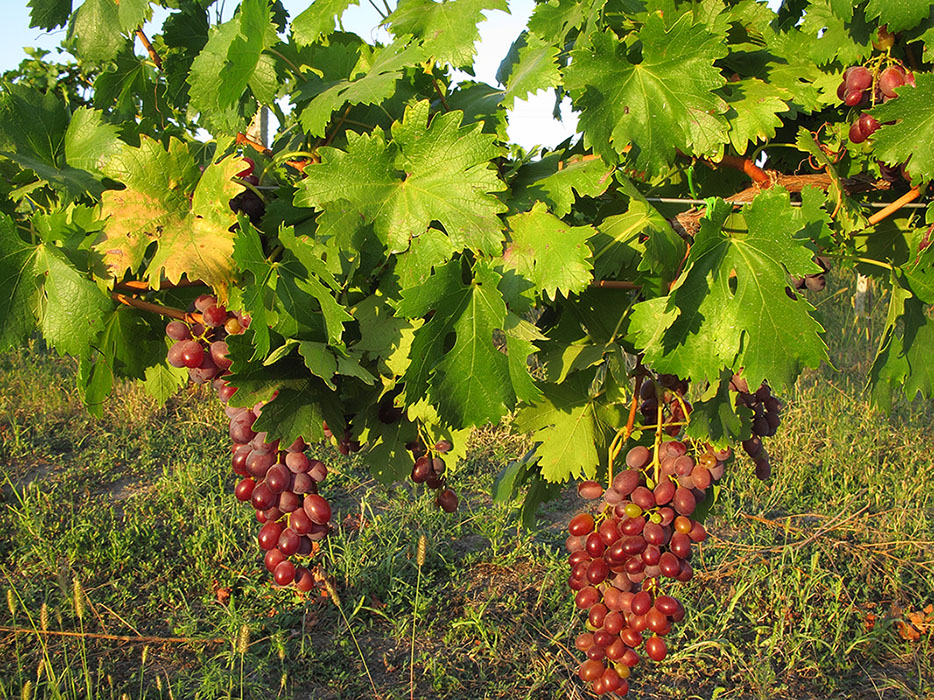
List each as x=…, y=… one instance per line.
x=280, y=484
x=627, y=552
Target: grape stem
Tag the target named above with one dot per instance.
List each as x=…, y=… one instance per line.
x=906, y=198
x=167, y=311
x=150, y=49
x=112, y=637
x=623, y=435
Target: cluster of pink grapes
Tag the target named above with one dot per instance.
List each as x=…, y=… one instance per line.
x=200, y=347
x=642, y=536
x=860, y=87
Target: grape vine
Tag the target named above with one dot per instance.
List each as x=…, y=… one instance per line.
x=388, y=272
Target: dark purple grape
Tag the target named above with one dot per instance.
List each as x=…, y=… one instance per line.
x=278, y=478
x=288, y=542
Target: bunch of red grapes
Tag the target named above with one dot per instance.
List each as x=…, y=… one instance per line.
x=281, y=484
x=766, y=412
x=860, y=88
x=642, y=536
x=429, y=469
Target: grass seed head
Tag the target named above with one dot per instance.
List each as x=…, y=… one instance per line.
x=422, y=551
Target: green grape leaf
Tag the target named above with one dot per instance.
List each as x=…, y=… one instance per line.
x=559, y=183
x=71, y=308
x=909, y=137
x=257, y=298
x=746, y=321
x=661, y=105
x=535, y=68
x=899, y=14
x=903, y=358
x=427, y=251
x=33, y=130
x=469, y=380
x=163, y=381
x=544, y=250
x=566, y=427
x=94, y=30
x=447, y=30
x=919, y=275
x=299, y=412
x=754, y=109
x=832, y=38
x=387, y=457
x=318, y=20
x=48, y=14
x=125, y=346
x=18, y=286
x=89, y=141
x=224, y=69
x=714, y=418
x=433, y=170
x=372, y=80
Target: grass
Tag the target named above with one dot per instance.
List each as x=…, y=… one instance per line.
x=126, y=526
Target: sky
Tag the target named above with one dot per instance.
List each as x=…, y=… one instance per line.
x=530, y=123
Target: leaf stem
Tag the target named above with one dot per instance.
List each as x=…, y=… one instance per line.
x=244, y=139
x=288, y=62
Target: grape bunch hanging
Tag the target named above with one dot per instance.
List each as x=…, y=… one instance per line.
x=280, y=484
x=628, y=552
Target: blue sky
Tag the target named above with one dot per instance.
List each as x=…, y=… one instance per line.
x=530, y=123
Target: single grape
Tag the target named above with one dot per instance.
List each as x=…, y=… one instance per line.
x=447, y=501
x=204, y=301
x=178, y=330
x=284, y=573
x=269, y=535
x=317, y=509
x=858, y=78
x=655, y=648
x=589, y=490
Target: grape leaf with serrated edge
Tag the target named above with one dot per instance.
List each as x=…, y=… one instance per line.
x=447, y=30
x=549, y=253
x=910, y=135
x=555, y=181
x=535, y=68
x=755, y=326
x=471, y=381
x=446, y=176
x=898, y=14
x=660, y=105
x=71, y=307
x=754, y=109
x=201, y=245
x=19, y=286
x=565, y=425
